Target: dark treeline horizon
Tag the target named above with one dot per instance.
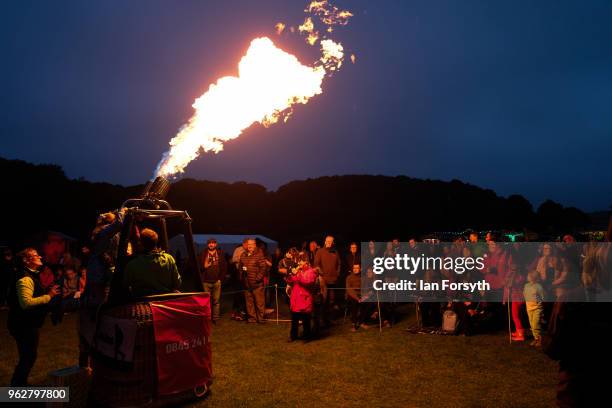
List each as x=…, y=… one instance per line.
x=352, y=207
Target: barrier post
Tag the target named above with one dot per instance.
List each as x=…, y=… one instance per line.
x=276, y=295
x=509, y=317
x=379, y=316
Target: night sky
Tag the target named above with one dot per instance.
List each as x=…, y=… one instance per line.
x=513, y=96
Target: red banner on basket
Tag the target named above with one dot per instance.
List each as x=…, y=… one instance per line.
x=182, y=336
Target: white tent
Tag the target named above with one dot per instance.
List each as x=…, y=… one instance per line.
x=224, y=241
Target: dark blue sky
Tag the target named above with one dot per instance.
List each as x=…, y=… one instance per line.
x=513, y=96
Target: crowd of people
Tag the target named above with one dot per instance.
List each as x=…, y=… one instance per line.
x=320, y=284
x=329, y=281
x=555, y=285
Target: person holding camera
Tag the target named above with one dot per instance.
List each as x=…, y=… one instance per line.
x=285, y=265
x=214, y=269
x=28, y=303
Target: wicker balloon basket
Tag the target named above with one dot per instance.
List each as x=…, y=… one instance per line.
x=120, y=384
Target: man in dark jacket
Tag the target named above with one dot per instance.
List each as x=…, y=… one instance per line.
x=214, y=270
x=28, y=308
x=327, y=259
x=253, y=268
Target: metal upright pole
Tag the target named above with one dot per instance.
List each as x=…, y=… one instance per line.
x=509, y=323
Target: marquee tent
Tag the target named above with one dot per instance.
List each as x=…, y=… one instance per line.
x=224, y=241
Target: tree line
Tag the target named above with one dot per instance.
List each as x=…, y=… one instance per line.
x=357, y=207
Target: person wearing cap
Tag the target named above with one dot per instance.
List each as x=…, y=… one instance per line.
x=213, y=272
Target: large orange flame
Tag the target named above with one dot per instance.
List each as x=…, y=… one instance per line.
x=269, y=82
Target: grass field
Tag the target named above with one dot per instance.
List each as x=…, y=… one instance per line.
x=255, y=366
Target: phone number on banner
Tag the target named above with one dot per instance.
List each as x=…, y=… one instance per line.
x=185, y=344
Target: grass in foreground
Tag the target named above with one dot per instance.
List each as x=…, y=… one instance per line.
x=255, y=366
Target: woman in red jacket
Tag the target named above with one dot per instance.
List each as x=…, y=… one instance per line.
x=302, y=280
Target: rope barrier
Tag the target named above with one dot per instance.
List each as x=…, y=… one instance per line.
x=413, y=298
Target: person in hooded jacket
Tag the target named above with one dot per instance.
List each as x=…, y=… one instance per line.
x=302, y=279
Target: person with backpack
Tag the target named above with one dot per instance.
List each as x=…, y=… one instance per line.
x=28, y=307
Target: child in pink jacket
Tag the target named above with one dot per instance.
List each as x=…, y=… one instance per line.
x=302, y=280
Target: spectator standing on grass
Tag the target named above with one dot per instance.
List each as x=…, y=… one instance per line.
x=302, y=279
x=327, y=259
x=534, y=300
x=430, y=308
x=253, y=268
x=496, y=273
x=214, y=269
x=358, y=310
x=518, y=265
x=28, y=302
